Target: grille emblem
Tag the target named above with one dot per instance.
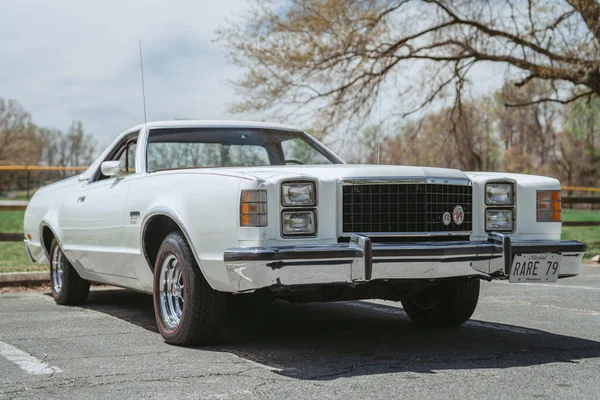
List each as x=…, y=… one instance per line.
x=446, y=218
x=458, y=215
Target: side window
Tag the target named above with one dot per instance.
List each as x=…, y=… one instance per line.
x=127, y=159
x=125, y=153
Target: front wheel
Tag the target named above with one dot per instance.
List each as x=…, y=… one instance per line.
x=450, y=303
x=187, y=310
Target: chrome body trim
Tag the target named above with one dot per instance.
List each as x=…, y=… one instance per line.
x=27, y=250
x=156, y=211
x=407, y=234
x=361, y=261
x=405, y=180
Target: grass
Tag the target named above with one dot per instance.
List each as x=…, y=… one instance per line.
x=586, y=234
x=581, y=215
x=11, y=221
x=12, y=254
x=14, y=259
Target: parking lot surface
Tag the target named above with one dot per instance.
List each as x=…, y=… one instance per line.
x=524, y=341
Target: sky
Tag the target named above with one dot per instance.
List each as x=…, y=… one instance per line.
x=66, y=60
x=78, y=60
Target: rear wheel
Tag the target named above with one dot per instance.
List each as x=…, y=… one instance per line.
x=447, y=304
x=68, y=288
x=188, y=311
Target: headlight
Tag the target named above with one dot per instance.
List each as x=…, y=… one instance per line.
x=298, y=194
x=549, y=208
x=298, y=223
x=499, y=220
x=499, y=193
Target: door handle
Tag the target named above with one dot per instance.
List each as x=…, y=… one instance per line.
x=81, y=199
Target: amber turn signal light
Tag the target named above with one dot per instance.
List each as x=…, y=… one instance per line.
x=549, y=207
x=253, y=208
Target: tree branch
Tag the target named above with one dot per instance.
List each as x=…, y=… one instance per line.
x=549, y=100
x=590, y=12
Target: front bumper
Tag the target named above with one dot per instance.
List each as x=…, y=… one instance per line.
x=362, y=261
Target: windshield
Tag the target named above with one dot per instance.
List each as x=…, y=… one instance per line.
x=175, y=148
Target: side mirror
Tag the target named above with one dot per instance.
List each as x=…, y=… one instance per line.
x=111, y=168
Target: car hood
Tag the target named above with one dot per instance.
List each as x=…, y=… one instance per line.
x=343, y=171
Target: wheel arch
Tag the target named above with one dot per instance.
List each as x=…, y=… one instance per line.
x=47, y=234
x=157, y=224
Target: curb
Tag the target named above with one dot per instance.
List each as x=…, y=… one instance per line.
x=24, y=278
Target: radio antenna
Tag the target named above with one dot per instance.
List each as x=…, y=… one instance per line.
x=143, y=87
x=378, y=137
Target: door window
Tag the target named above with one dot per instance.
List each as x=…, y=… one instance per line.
x=125, y=153
x=127, y=159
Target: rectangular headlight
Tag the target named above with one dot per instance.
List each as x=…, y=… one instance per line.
x=498, y=220
x=298, y=223
x=499, y=193
x=298, y=194
x=549, y=207
x=253, y=208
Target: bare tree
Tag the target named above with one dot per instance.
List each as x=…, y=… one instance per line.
x=17, y=135
x=329, y=58
x=471, y=144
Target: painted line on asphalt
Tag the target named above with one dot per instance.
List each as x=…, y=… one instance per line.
x=552, y=285
x=26, y=361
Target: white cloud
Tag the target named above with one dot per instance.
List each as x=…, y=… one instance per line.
x=66, y=59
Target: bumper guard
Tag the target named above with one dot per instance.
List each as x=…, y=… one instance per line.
x=361, y=261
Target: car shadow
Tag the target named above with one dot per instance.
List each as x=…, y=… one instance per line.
x=322, y=341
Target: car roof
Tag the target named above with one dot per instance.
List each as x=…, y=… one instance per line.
x=216, y=124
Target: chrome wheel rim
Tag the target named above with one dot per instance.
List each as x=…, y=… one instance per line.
x=57, y=269
x=171, y=292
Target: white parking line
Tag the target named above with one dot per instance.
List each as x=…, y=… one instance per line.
x=25, y=361
x=553, y=285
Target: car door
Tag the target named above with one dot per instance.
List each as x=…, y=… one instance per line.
x=95, y=233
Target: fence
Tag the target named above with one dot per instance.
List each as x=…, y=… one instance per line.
x=21, y=206
x=32, y=177
x=21, y=181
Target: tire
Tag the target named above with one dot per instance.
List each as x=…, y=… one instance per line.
x=68, y=288
x=183, y=316
x=447, y=304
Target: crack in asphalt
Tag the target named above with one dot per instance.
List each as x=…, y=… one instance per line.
x=69, y=382
x=148, y=353
x=24, y=338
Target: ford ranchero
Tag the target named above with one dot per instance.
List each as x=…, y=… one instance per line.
x=200, y=212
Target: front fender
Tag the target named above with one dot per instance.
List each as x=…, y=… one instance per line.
x=204, y=207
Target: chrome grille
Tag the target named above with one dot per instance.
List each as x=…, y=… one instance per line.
x=381, y=208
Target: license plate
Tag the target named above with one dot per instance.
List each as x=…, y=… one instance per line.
x=532, y=268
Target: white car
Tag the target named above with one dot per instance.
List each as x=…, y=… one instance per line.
x=195, y=212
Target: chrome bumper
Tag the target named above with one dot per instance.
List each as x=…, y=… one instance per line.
x=363, y=261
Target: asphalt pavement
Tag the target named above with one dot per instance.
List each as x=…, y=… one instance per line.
x=524, y=341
